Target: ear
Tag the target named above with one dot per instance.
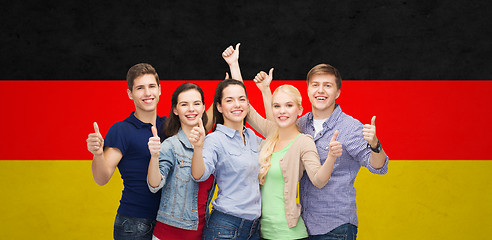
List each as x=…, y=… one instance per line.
x=300, y=111
x=129, y=94
x=175, y=111
x=159, y=89
x=338, y=93
x=219, y=107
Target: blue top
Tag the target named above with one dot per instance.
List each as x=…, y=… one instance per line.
x=179, y=199
x=333, y=205
x=131, y=137
x=235, y=167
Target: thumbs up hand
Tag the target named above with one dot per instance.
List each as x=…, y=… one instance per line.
x=197, y=135
x=154, y=143
x=335, y=146
x=369, y=133
x=263, y=80
x=231, y=55
x=95, y=141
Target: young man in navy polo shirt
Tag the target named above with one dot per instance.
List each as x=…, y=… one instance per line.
x=126, y=147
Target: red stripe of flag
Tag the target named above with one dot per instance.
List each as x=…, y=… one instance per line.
x=416, y=120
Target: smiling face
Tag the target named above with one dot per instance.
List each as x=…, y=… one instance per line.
x=234, y=105
x=145, y=93
x=189, y=108
x=286, y=108
x=322, y=92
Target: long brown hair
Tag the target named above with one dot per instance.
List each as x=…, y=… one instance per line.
x=218, y=117
x=172, y=124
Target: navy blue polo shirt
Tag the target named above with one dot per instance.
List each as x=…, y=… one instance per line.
x=131, y=137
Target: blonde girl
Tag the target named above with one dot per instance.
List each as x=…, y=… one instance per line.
x=285, y=155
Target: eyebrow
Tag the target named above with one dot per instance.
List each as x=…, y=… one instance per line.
x=242, y=96
x=285, y=102
x=141, y=85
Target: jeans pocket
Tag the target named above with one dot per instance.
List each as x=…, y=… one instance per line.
x=217, y=231
x=123, y=225
x=131, y=228
x=144, y=229
x=335, y=236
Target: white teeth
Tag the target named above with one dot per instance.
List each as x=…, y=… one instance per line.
x=320, y=98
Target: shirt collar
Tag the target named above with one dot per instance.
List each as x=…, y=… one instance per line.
x=135, y=121
x=332, y=120
x=228, y=131
x=184, y=139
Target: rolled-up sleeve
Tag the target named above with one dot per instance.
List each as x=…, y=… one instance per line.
x=381, y=171
x=358, y=145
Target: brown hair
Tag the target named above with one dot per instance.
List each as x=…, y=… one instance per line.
x=218, y=117
x=139, y=70
x=172, y=124
x=323, y=68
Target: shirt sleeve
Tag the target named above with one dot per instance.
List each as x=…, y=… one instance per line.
x=311, y=162
x=260, y=124
x=166, y=163
x=358, y=150
x=210, y=157
x=115, y=137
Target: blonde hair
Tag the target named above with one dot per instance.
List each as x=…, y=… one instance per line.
x=269, y=144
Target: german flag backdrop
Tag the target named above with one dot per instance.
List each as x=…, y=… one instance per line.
x=423, y=68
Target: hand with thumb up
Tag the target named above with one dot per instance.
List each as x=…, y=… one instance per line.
x=335, y=147
x=95, y=141
x=369, y=133
x=197, y=135
x=154, y=143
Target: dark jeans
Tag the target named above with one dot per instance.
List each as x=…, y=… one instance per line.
x=346, y=231
x=225, y=226
x=126, y=228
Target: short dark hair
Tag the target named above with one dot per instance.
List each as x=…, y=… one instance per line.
x=172, y=124
x=139, y=70
x=324, y=68
x=218, y=117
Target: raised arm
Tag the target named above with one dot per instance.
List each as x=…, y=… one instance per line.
x=231, y=56
x=263, y=80
x=104, y=161
x=369, y=132
x=258, y=123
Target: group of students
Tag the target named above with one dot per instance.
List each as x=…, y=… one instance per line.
x=171, y=166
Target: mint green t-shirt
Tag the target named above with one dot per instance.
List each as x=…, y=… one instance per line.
x=273, y=220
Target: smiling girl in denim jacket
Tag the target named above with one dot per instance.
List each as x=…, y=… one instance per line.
x=184, y=202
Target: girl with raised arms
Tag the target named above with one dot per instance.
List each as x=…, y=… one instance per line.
x=230, y=153
x=284, y=156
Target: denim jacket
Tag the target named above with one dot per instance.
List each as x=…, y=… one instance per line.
x=179, y=199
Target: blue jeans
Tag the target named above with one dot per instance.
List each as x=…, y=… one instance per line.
x=346, y=231
x=126, y=228
x=225, y=226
